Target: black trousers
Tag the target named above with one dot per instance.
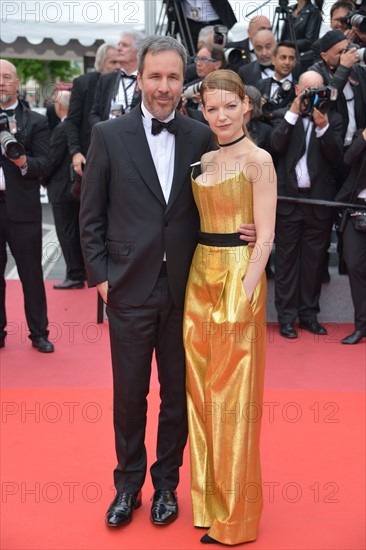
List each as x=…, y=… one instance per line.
x=135, y=333
x=25, y=243
x=66, y=216
x=354, y=254
x=301, y=245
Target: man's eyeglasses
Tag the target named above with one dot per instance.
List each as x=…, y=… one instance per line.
x=204, y=60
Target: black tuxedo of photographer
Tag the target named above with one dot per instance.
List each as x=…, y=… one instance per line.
x=276, y=96
x=65, y=206
x=21, y=221
x=253, y=73
x=354, y=241
x=107, y=92
x=302, y=231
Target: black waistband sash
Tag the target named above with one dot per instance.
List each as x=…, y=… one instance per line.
x=221, y=239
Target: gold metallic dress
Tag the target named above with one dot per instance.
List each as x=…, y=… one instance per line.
x=224, y=337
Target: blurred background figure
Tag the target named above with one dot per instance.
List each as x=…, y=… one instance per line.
x=302, y=25
x=65, y=206
x=119, y=87
x=257, y=23
x=77, y=126
x=354, y=240
x=264, y=43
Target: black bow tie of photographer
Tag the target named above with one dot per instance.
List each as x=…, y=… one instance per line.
x=8, y=127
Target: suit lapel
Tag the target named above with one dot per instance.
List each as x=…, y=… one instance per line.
x=183, y=144
x=134, y=139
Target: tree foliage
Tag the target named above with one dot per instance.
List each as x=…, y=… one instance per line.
x=43, y=71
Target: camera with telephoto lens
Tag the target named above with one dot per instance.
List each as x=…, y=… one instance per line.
x=273, y=103
x=321, y=98
x=356, y=18
x=12, y=148
x=361, y=52
x=190, y=91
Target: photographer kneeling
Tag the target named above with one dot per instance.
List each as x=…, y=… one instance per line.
x=354, y=232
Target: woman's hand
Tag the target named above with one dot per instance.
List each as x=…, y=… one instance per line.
x=102, y=288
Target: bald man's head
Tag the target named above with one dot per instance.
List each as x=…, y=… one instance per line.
x=264, y=43
x=258, y=23
x=9, y=83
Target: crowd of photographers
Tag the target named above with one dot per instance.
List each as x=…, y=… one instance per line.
x=307, y=108
x=307, y=96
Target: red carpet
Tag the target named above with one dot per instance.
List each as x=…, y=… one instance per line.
x=57, y=452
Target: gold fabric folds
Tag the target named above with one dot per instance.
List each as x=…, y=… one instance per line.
x=224, y=337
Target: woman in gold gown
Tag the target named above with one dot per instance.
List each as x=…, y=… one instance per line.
x=224, y=319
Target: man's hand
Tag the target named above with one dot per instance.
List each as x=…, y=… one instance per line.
x=21, y=161
x=348, y=58
x=320, y=119
x=102, y=288
x=248, y=233
x=295, y=105
x=78, y=161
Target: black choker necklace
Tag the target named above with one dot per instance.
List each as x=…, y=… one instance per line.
x=231, y=142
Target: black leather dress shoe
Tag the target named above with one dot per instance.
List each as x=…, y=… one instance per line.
x=43, y=345
x=288, y=330
x=206, y=539
x=164, y=509
x=121, y=509
x=355, y=337
x=313, y=326
x=68, y=284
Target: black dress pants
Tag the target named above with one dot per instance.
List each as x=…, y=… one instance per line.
x=354, y=254
x=25, y=243
x=301, y=244
x=66, y=216
x=135, y=333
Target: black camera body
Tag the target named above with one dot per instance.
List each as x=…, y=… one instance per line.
x=321, y=98
x=356, y=18
x=12, y=148
x=220, y=35
x=274, y=103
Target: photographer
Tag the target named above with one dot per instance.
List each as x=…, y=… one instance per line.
x=339, y=68
x=24, y=160
x=354, y=240
x=209, y=58
x=307, y=146
x=279, y=91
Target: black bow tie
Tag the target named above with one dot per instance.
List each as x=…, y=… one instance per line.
x=157, y=126
x=130, y=76
x=274, y=81
x=9, y=112
x=265, y=67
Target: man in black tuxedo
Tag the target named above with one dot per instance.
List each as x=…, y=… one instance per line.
x=264, y=43
x=20, y=207
x=65, y=206
x=139, y=227
x=257, y=23
x=119, y=87
x=279, y=90
x=77, y=124
x=306, y=150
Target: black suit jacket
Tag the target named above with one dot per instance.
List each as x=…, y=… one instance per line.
x=288, y=142
x=107, y=90
x=355, y=156
x=125, y=222
x=22, y=192
x=59, y=181
x=78, y=126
